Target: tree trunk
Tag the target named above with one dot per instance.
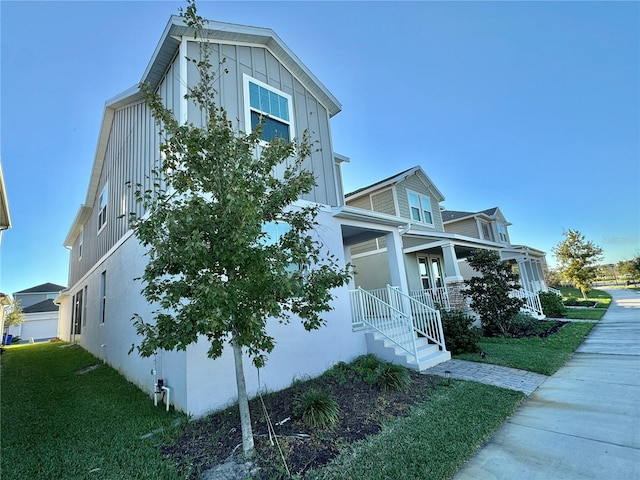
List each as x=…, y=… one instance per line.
x=243, y=403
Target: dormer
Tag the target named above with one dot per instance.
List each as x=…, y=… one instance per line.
x=489, y=224
x=409, y=194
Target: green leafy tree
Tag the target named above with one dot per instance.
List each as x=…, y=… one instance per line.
x=228, y=248
x=15, y=315
x=577, y=259
x=630, y=267
x=490, y=292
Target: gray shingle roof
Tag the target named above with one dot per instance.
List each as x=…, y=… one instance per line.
x=44, y=288
x=44, y=306
x=449, y=215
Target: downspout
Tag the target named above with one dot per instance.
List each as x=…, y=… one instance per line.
x=405, y=229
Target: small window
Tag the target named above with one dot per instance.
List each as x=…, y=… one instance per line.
x=271, y=107
x=80, y=241
x=102, y=214
x=103, y=296
x=420, y=208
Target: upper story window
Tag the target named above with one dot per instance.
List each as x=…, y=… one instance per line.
x=502, y=233
x=269, y=106
x=102, y=214
x=420, y=207
x=487, y=234
x=80, y=241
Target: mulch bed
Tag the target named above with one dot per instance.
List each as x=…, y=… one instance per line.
x=363, y=408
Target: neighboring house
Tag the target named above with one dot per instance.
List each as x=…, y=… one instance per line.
x=491, y=225
x=412, y=251
x=40, y=313
x=106, y=258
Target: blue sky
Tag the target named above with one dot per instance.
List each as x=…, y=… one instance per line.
x=532, y=107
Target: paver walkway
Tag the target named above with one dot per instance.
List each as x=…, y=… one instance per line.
x=506, y=377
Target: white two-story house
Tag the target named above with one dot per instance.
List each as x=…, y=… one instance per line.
x=106, y=257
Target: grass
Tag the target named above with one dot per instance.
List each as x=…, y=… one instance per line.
x=433, y=442
x=540, y=355
x=57, y=423
x=600, y=296
x=603, y=299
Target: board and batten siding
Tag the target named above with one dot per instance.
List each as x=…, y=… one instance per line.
x=309, y=114
x=415, y=184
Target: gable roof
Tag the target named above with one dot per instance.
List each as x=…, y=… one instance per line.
x=43, y=288
x=40, y=307
x=454, y=215
x=392, y=180
x=165, y=52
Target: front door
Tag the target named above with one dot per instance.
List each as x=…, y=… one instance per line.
x=436, y=272
x=425, y=277
x=430, y=272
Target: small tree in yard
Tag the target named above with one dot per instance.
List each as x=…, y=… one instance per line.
x=489, y=292
x=15, y=315
x=577, y=260
x=227, y=249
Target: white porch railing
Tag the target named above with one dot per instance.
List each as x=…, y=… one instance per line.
x=436, y=298
x=425, y=319
x=541, y=287
x=531, y=301
x=390, y=322
x=384, y=311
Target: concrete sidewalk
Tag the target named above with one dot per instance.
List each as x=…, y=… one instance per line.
x=583, y=422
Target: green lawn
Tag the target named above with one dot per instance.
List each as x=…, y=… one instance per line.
x=541, y=355
x=59, y=424
x=603, y=299
x=433, y=442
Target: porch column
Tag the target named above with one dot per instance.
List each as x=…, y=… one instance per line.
x=396, y=261
x=524, y=277
x=351, y=284
x=451, y=269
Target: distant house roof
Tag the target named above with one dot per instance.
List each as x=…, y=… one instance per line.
x=44, y=288
x=40, y=307
x=451, y=215
x=395, y=179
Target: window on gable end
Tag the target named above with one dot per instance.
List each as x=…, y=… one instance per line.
x=271, y=107
x=420, y=208
x=80, y=241
x=502, y=233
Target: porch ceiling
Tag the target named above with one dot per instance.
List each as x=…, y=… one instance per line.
x=352, y=235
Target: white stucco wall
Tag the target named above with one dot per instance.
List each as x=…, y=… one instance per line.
x=298, y=353
x=199, y=384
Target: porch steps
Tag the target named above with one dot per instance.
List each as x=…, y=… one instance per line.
x=429, y=354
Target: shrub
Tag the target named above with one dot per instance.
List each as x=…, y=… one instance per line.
x=459, y=334
x=317, y=409
x=522, y=324
x=367, y=367
x=392, y=378
x=552, y=305
x=338, y=372
x=490, y=291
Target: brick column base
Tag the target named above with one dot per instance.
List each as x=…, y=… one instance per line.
x=456, y=299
